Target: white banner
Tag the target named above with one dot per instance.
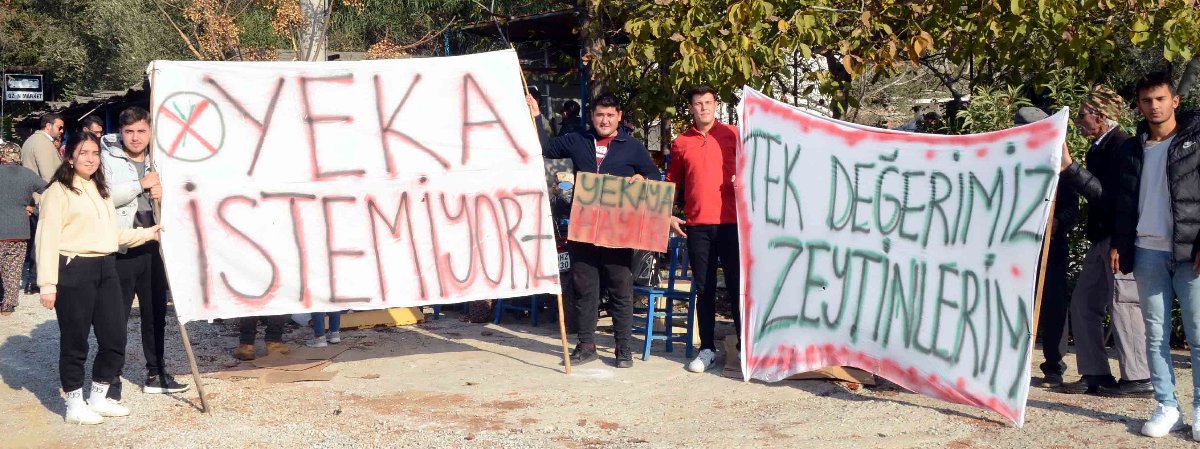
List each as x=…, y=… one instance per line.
x=308, y=187
x=912, y=256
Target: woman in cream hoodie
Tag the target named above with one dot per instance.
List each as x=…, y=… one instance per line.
x=76, y=238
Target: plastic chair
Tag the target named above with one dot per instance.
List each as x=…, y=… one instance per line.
x=678, y=271
x=532, y=308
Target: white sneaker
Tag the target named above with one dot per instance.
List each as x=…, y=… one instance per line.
x=705, y=360
x=103, y=405
x=78, y=411
x=1165, y=420
x=335, y=337
x=1196, y=424
x=316, y=342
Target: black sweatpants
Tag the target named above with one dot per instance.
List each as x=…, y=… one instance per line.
x=248, y=327
x=141, y=273
x=1052, y=324
x=709, y=245
x=89, y=297
x=596, y=269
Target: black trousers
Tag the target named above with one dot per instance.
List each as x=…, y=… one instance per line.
x=595, y=269
x=141, y=273
x=248, y=328
x=1052, y=321
x=89, y=297
x=709, y=245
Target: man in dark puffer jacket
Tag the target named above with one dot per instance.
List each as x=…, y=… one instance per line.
x=1154, y=236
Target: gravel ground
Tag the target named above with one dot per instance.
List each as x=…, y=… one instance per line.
x=448, y=383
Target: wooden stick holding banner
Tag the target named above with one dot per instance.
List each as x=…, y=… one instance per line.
x=562, y=325
x=1037, y=298
x=157, y=207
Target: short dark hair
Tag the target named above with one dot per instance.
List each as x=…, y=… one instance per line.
x=700, y=90
x=1155, y=79
x=133, y=115
x=90, y=120
x=570, y=107
x=48, y=119
x=606, y=100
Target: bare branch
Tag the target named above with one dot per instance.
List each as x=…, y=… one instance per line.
x=182, y=35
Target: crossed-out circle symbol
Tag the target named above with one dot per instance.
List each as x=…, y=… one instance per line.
x=188, y=126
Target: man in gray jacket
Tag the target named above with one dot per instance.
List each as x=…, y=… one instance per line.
x=133, y=184
x=39, y=152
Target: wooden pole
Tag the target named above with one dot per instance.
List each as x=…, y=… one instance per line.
x=1037, y=299
x=562, y=332
x=562, y=325
x=157, y=205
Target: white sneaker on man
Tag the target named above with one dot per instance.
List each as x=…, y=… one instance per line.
x=78, y=411
x=703, y=361
x=1195, y=425
x=335, y=337
x=1165, y=420
x=317, y=342
x=102, y=405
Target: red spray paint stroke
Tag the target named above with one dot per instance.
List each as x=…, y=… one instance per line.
x=1036, y=134
x=793, y=359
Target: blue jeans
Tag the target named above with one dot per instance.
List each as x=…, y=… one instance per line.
x=318, y=322
x=1159, y=281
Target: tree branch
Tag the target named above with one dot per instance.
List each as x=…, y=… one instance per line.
x=182, y=35
x=1187, y=83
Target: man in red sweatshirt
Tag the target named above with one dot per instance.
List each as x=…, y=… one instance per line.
x=702, y=166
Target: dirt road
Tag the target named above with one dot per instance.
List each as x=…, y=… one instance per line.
x=448, y=383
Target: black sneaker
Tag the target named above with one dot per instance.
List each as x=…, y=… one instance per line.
x=163, y=384
x=583, y=353
x=114, y=390
x=1048, y=381
x=1128, y=389
x=1087, y=385
x=624, y=357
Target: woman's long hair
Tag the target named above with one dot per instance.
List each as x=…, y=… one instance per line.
x=65, y=174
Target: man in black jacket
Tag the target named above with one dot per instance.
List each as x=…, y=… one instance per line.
x=602, y=150
x=1053, y=310
x=1154, y=237
x=1098, y=290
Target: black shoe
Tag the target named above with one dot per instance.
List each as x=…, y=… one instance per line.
x=624, y=357
x=1087, y=385
x=114, y=390
x=1048, y=381
x=1128, y=389
x=164, y=383
x=583, y=353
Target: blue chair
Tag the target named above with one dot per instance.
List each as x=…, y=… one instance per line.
x=532, y=308
x=666, y=297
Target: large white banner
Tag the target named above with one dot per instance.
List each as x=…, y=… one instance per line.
x=295, y=186
x=911, y=256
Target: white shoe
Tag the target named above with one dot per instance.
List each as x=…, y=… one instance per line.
x=103, y=405
x=1195, y=425
x=78, y=411
x=1165, y=420
x=705, y=360
x=335, y=337
x=316, y=342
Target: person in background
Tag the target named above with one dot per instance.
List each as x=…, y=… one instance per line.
x=1053, y=322
x=77, y=274
x=1098, y=290
x=92, y=125
x=319, y=339
x=134, y=185
x=248, y=328
x=40, y=151
x=568, y=119
x=703, y=165
x=594, y=269
x=17, y=187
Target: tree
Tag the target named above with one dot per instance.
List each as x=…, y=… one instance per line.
x=963, y=43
